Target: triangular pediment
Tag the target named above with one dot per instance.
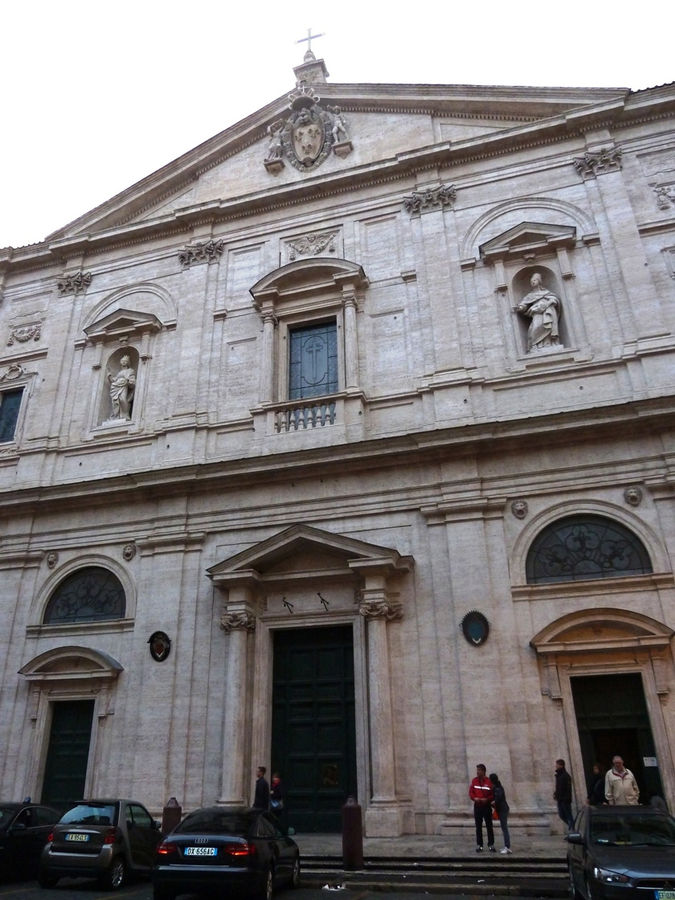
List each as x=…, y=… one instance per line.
x=301, y=550
x=227, y=175
x=528, y=236
x=122, y=322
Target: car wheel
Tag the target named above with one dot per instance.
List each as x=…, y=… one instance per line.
x=295, y=873
x=115, y=876
x=267, y=885
x=47, y=881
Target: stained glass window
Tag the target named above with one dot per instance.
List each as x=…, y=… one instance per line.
x=92, y=594
x=578, y=548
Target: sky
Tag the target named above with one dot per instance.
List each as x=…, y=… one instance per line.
x=96, y=95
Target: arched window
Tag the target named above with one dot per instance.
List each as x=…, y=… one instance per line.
x=91, y=594
x=581, y=547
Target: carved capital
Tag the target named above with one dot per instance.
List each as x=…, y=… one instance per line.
x=597, y=162
x=379, y=608
x=429, y=199
x=243, y=621
x=74, y=284
x=205, y=252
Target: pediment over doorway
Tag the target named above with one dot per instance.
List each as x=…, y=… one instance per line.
x=601, y=629
x=528, y=237
x=301, y=553
x=72, y=663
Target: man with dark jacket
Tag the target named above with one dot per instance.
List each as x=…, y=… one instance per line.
x=261, y=799
x=481, y=792
x=563, y=793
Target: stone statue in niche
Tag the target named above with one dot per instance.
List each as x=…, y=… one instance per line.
x=542, y=307
x=122, y=386
x=339, y=129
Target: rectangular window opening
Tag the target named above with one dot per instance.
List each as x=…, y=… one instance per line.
x=313, y=361
x=10, y=403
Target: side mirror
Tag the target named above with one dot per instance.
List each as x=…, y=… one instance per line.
x=18, y=827
x=156, y=826
x=574, y=837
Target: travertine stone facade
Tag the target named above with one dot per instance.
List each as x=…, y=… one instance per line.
x=493, y=270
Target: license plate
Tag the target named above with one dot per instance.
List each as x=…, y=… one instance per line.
x=77, y=837
x=665, y=895
x=201, y=851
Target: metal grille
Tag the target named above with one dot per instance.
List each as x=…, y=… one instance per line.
x=92, y=594
x=578, y=548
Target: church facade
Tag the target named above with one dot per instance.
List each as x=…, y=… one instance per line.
x=343, y=445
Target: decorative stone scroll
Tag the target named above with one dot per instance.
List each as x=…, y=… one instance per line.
x=665, y=195
x=597, y=162
x=308, y=135
x=12, y=372
x=380, y=609
x=74, y=284
x=25, y=333
x=320, y=243
x=207, y=252
x=429, y=199
x=240, y=621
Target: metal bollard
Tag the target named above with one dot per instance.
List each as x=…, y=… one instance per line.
x=352, y=835
x=171, y=815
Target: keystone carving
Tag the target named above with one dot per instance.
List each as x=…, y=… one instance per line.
x=312, y=244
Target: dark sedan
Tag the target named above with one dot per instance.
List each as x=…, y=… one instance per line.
x=103, y=839
x=226, y=849
x=622, y=853
x=24, y=829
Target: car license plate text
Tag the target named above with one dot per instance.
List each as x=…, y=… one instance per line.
x=77, y=837
x=201, y=851
x=665, y=895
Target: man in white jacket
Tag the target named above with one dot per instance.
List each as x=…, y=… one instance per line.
x=621, y=788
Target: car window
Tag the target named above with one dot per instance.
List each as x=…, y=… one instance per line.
x=264, y=828
x=90, y=814
x=44, y=815
x=622, y=830
x=208, y=821
x=141, y=816
x=6, y=813
x=25, y=817
x=274, y=826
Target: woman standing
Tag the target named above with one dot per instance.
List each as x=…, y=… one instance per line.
x=502, y=810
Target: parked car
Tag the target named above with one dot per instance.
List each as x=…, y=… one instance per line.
x=103, y=839
x=24, y=829
x=622, y=853
x=222, y=849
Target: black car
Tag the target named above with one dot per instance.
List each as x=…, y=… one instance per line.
x=622, y=853
x=102, y=839
x=226, y=849
x=24, y=829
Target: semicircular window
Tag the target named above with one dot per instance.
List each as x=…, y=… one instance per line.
x=91, y=594
x=578, y=548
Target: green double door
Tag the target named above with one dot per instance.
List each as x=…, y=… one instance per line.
x=313, y=730
x=68, y=752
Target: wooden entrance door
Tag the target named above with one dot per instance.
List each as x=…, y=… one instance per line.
x=612, y=719
x=68, y=753
x=313, y=730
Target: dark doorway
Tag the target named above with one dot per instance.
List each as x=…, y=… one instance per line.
x=313, y=731
x=612, y=719
x=69, y=740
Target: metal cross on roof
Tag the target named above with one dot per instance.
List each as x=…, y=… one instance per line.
x=308, y=40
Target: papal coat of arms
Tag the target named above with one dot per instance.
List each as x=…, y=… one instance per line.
x=308, y=135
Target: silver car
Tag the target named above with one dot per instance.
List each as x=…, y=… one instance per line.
x=103, y=839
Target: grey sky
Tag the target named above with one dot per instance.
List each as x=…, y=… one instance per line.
x=96, y=95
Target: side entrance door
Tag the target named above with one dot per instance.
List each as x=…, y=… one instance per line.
x=313, y=724
x=68, y=753
x=612, y=719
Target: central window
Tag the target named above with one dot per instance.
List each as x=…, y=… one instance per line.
x=313, y=361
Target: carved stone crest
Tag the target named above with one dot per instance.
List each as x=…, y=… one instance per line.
x=74, y=284
x=308, y=135
x=24, y=333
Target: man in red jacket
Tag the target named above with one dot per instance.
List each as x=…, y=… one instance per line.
x=481, y=793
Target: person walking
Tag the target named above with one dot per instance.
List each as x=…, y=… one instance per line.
x=480, y=791
x=261, y=798
x=278, y=800
x=563, y=793
x=502, y=810
x=621, y=788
